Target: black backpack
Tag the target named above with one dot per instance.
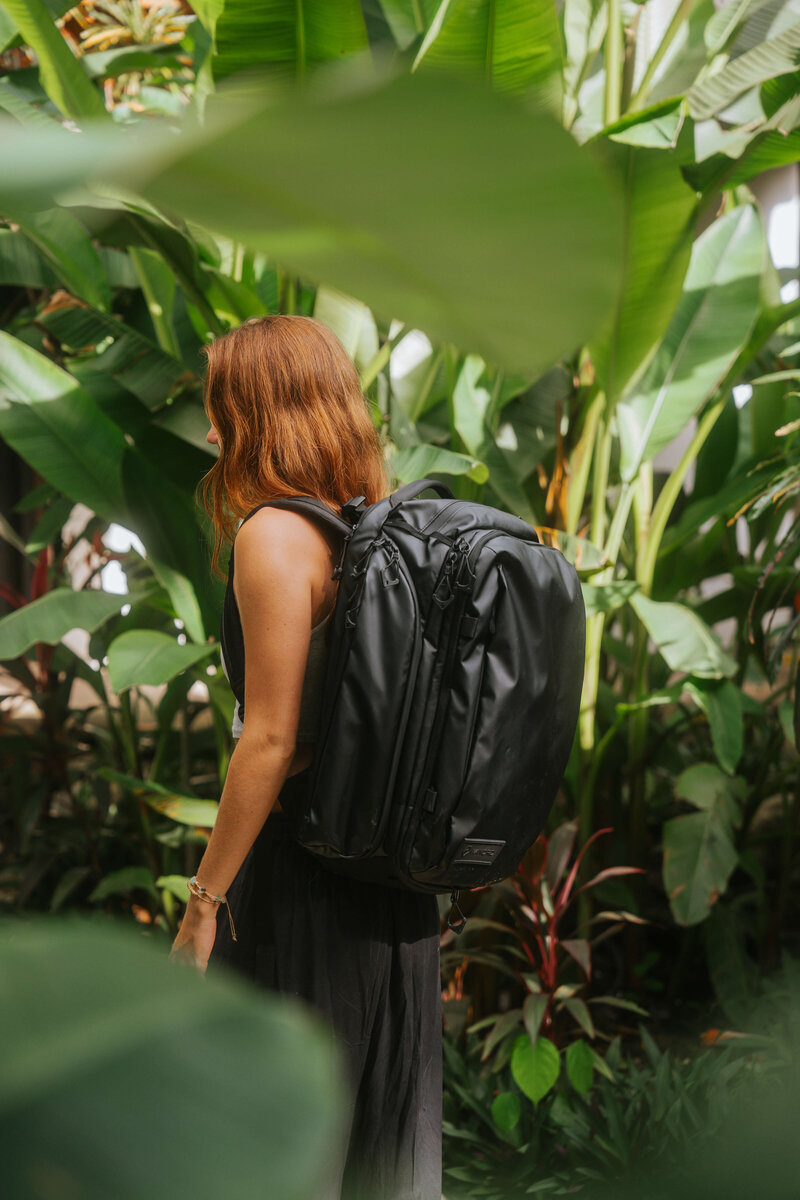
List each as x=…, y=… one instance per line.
x=451, y=692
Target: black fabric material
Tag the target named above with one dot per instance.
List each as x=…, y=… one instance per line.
x=367, y=957
x=451, y=691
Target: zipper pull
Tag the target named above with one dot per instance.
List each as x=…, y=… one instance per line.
x=337, y=570
x=443, y=593
x=460, y=921
x=464, y=576
x=390, y=573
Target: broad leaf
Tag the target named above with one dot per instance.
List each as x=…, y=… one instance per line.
x=485, y=255
x=514, y=46
x=185, y=810
x=659, y=207
x=607, y=597
x=699, y=852
x=127, y=879
x=774, y=57
x=53, y=615
x=580, y=1066
x=721, y=701
x=709, y=327
x=423, y=255
x=67, y=247
x=145, y=656
x=535, y=1068
x=54, y=425
x=285, y=35
x=109, y=1053
x=685, y=642
x=132, y=359
x=506, y=1111
x=418, y=462
x=707, y=788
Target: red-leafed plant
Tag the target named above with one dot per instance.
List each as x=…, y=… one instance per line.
x=539, y=946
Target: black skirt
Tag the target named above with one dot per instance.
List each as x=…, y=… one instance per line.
x=367, y=957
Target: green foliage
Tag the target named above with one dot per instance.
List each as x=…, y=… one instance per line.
x=645, y=1121
x=107, y=1045
x=501, y=230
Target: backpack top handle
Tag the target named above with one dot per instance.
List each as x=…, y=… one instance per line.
x=410, y=490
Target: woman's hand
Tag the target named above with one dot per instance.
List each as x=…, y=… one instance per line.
x=195, y=938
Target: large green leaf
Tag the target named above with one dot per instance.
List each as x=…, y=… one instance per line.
x=506, y=1111
x=471, y=404
x=22, y=264
x=776, y=56
x=721, y=701
x=659, y=207
x=126, y=879
x=580, y=1066
x=65, y=244
x=158, y=287
x=130, y=358
x=165, y=518
x=699, y=853
x=607, y=597
x=515, y=46
x=54, y=425
x=417, y=462
x=686, y=642
x=535, y=1068
x=353, y=324
x=17, y=103
x=510, y=247
x=288, y=35
x=186, y=810
x=408, y=19
x=106, y=1044
x=711, y=323
x=708, y=789
x=54, y=614
x=144, y=657
x=61, y=74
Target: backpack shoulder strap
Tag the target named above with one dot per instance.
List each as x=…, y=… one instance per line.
x=306, y=504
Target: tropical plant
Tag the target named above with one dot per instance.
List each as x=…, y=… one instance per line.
x=531, y=949
x=104, y=1039
x=583, y=273
x=646, y=1110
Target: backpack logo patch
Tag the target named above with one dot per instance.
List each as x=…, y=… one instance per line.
x=475, y=851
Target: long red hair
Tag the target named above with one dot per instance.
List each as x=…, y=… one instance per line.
x=286, y=402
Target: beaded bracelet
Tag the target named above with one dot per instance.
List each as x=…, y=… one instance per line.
x=202, y=894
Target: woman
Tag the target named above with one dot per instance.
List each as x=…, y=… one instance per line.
x=286, y=410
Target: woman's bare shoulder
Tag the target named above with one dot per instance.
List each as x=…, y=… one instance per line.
x=275, y=541
x=281, y=528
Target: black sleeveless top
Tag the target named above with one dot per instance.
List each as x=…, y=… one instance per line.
x=233, y=664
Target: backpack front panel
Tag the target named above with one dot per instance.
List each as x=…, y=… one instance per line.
x=376, y=644
x=510, y=717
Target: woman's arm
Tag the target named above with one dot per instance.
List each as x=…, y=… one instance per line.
x=277, y=557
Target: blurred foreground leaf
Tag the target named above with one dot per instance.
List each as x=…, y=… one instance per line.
x=125, y=1075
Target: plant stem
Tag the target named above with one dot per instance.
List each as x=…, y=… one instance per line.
x=678, y=17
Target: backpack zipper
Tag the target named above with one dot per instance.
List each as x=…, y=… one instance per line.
x=396, y=561
x=403, y=721
x=462, y=579
x=457, y=563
